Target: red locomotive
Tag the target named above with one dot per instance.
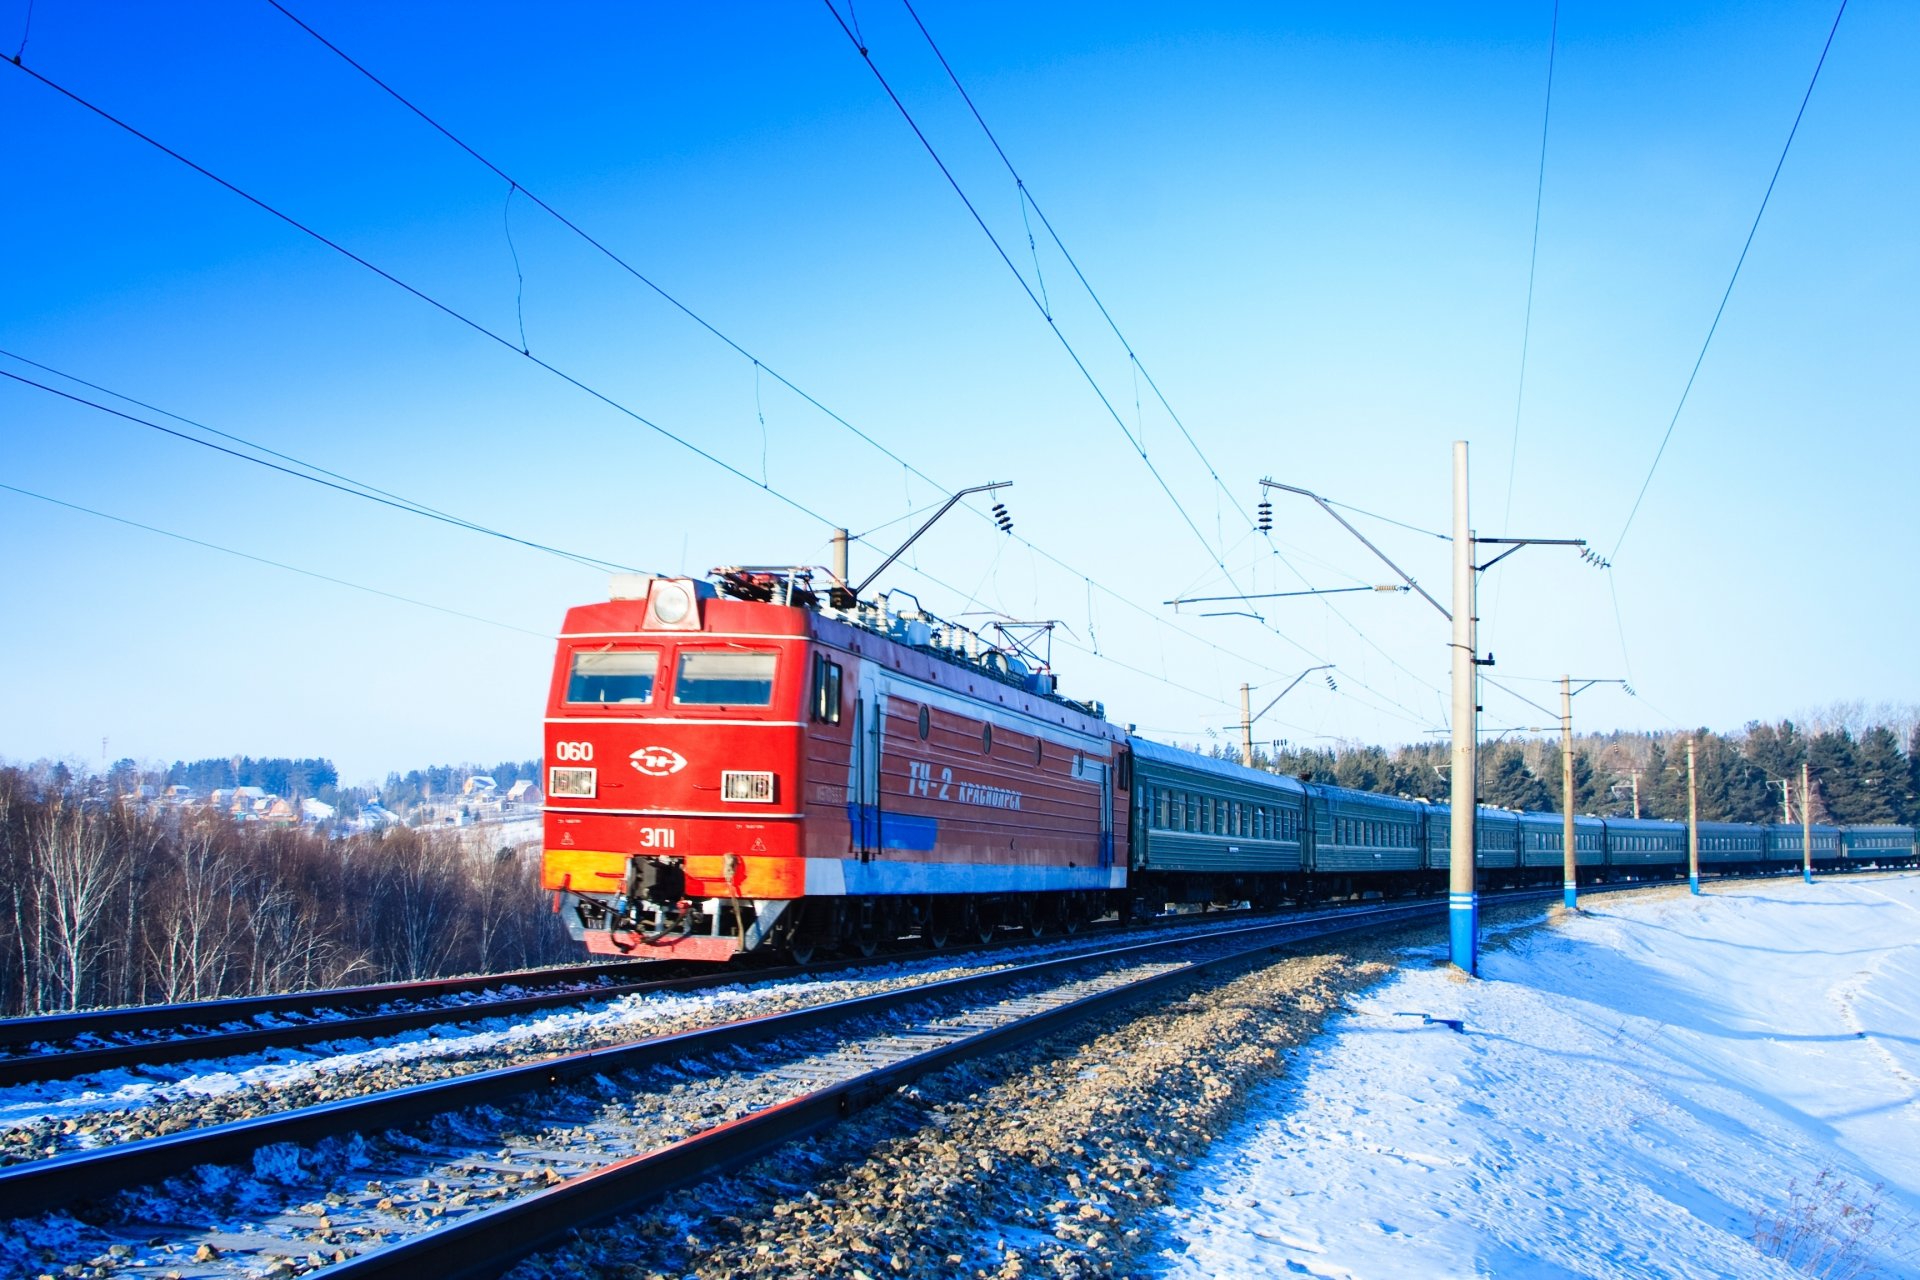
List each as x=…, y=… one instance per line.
x=745, y=767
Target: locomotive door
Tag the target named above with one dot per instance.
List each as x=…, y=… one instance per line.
x=1106, y=816
x=869, y=716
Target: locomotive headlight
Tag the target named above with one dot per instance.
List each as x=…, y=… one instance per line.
x=751, y=786
x=671, y=603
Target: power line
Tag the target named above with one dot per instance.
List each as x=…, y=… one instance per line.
x=1026, y=288
x=425, y=297
x=357, y=489
x=1045, y=311
x=1741, y=261
x=583, y=386
x=758, y=362
x=1028, y=199
x=305, y=573
x=1533, y=260
x=514, y=184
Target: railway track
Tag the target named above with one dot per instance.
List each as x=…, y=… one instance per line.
x=468, y=1174
x=68, y=1045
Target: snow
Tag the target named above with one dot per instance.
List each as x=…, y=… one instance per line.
x=1638, y=1091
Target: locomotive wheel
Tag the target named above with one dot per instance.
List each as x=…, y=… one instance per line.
x=801, y=950
x=939, y=928
x=984, y=926
x=864, y=942
x=1070, y=918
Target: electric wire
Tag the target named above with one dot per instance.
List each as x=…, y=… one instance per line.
x=502, y=341
x=1533, y=261
x=727, y=340
x=1740, y=262
x=425, y=297
x=275, y=564
x=861, y=48
x=593, y=241
x=352, y=488
x=1025, y=287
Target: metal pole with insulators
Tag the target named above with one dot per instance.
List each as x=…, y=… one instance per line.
x=1463, y=904
x=1693, y=824
x=1246, y=725
x=839, y=569
x=1806, y=825
x=1570, y=872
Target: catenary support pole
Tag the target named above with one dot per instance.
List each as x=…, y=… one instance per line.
x=1806, y=825
x=1246, y=725
x=1570, y=870
x=839, y=569
x=1693, y=824
x=1636, y=795
x=1463, y=904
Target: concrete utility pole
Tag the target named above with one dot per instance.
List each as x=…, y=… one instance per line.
x=1636, y=794
x=1569, y=871
x=1463, y=903
x=1806, y=825
x=1246, y=725
x=1693, y=824
x=1569, y=863
x=839, y=568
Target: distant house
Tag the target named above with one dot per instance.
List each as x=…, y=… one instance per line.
x=480, y=786
x=316, y=811
x=142, y=793
x=525, y=792
x=374, y=816
x=275, y=809
x=243, y=800
x=177, y=794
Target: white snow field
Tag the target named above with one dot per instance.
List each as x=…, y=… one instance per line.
x=1641, y=1091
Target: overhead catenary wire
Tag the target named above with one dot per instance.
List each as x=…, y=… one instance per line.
x=737, y=347
x=423, y=296
x=1721, y=310
x=1214, y=554
x=547, y=366
x=276, y=564
x=1133, y=357
x=1533, y=262
x=350, y=487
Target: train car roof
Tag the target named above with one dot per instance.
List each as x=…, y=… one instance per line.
x=1353, y=796
x=1161, y=753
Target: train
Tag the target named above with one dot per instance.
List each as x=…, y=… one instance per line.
x=746, y=765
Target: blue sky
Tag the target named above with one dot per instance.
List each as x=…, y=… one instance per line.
x=1311, y=222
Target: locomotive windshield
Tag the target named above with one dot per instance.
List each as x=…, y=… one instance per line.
x=613, y=675
x=724, y=677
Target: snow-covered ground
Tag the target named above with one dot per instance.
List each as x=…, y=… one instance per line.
x=1642, y=1091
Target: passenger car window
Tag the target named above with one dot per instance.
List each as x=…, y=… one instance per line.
x=724, y=677
x=613, y=675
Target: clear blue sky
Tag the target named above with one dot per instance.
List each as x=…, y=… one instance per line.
x=1312, y=222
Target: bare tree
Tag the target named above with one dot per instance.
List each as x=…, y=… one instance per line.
x=75, y=871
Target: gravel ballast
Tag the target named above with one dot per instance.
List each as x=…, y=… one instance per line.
x=1041, y=1162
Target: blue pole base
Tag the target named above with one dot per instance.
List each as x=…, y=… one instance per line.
x=1808, y=872
x=1572, y=899
x=1693, y=882
x=1463, y=930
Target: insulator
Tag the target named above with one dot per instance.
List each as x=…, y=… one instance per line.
x=1001, y=518
x=1331, y=685
x=1266, y=516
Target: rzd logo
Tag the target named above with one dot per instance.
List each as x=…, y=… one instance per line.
x=658, y=762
